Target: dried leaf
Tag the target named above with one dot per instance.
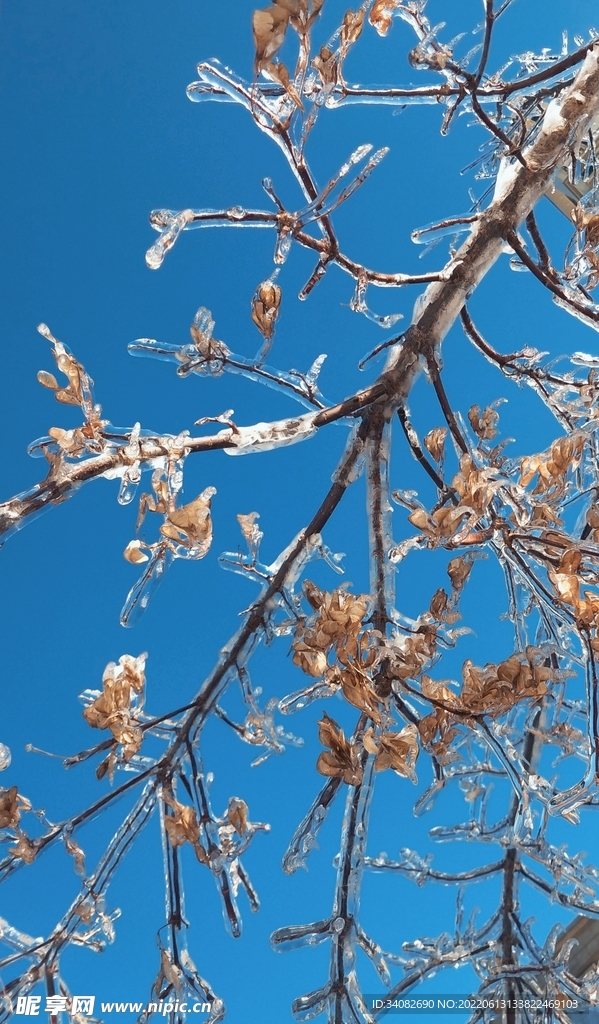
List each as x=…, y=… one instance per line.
x=459, y=570
x=191, y=524
x=325, y=63
x=483, y=424
x=434, y=442
x=395, y=750
x=343, y=760
x=237, y=814
x=279, y=73
x=269, y=26
x=351, y=28
x=47, y=380
x=10, y=811
x=114, y=709
x=25, y=850
x=75, y=851
x=381, y=15
x=133, y=552
x=553, y=466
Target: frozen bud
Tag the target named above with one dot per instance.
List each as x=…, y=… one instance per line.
x=133, y=552
x=265, y=307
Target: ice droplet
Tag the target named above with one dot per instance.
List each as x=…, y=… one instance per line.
x=5, y=757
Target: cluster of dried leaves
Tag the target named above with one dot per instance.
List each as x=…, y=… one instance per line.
x=333, y=645
x=412, y=652
x=188, y=526
x=566, y=581
x=587, y=222
x=118, y=708
x=76, y=391
x=182, y=826
x=475, y=486
x=11, y=806
x=345, y=758
x=270, y=27
x=493, y=690
x=551, y=468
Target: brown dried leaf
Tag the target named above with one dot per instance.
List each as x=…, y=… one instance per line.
x=381, y=15
x=191, y=524
x=343, y=761
x=459, y=570
x=434, y=442
x=72, y=442
x=358, y=692
x=237, y=814
x=438, y=605
x=279, y=72
x=483, y=424
x=552, y=467
x=75, y=851
x=269, y=26
x=182, y=825
x=133, y=553
x=10, y=811
x=113, y=709
x=48, y=380
x=351, y=28
x=588, y=222
x=25, y=850
x=398, y=751
x=325, y=63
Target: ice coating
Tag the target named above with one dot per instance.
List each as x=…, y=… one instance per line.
x=262, y=437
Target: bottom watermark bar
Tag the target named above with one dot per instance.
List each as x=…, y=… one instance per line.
x=32, y=1006
x=458, y=1003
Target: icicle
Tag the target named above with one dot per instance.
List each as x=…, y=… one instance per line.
x=305, y=836
x=172, y=229
x=139, y=596
x=313, y=1004
x=300, y=699
x=282, y=246
x=328, y=200
x=300, y=935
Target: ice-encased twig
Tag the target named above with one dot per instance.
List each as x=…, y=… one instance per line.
x=302, y=387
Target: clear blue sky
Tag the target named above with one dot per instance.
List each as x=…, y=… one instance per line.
x=96, y=132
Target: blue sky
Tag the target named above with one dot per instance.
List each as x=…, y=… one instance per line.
x=97, y=131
